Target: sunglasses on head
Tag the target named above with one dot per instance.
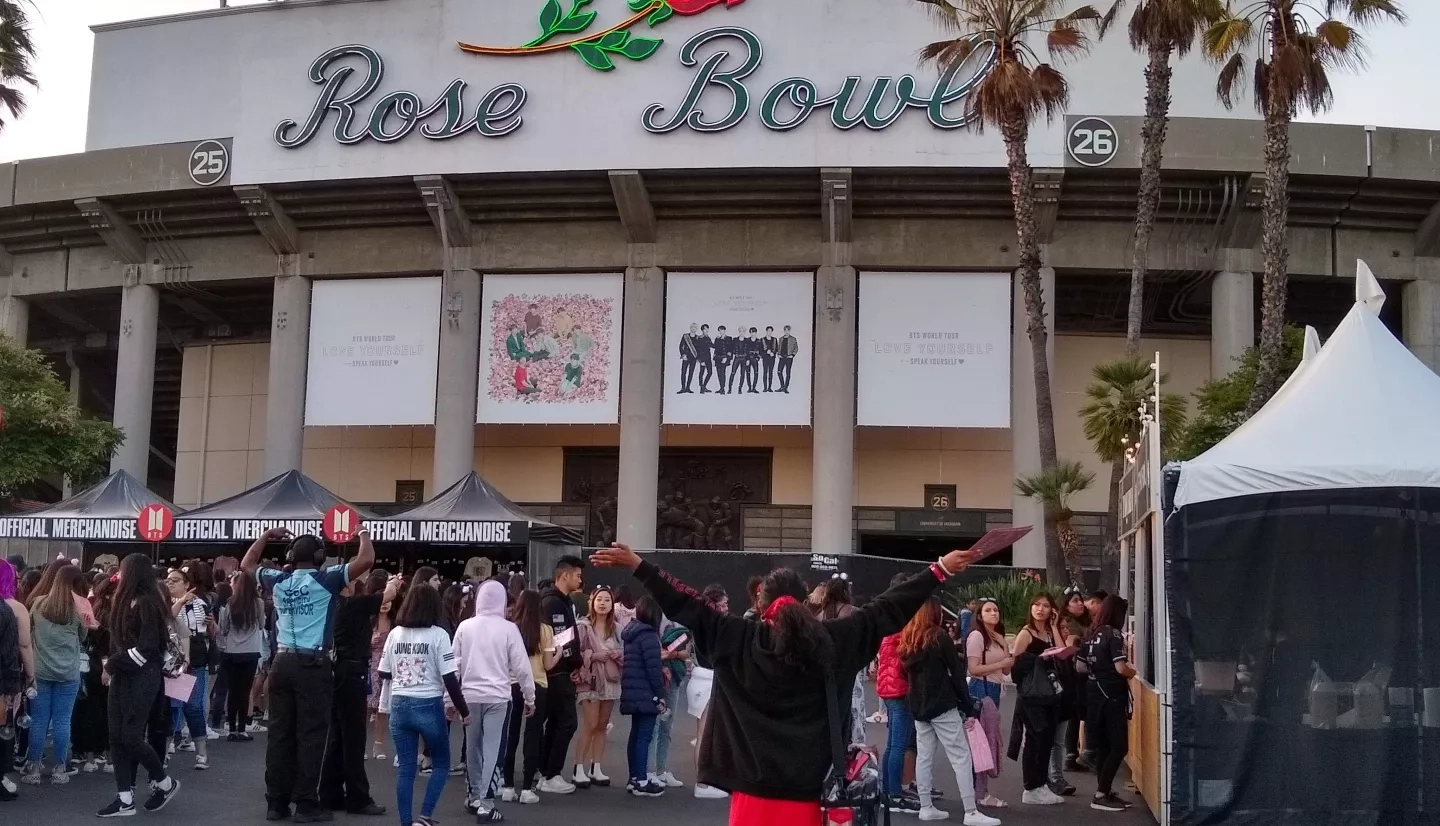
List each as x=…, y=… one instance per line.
x=1073, y=591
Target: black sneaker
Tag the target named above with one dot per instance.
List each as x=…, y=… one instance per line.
x=159, y=797
x=489, y=816
x=313, y=816
x=900, y=804
x=646, y=788
x=1062, y=789
x=1107, y=803
x=117, y=809
x=277, y=814
x=1115, y=798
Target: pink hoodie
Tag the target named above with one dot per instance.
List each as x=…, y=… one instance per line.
x=489, y=653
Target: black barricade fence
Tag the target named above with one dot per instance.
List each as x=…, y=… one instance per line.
x=1303, y=689
x=869, y=575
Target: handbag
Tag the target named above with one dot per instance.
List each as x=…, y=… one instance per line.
x=853, y=793
x=1041, y=687
x=980, y=754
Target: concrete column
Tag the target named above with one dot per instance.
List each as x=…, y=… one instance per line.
x=14, y=318
x=642, y=378
x=1232, y=320
x=456, y=394
x=289, y=360
x=832, y=513
x=1421, y=302
x=1024, y=426
x=135, y=376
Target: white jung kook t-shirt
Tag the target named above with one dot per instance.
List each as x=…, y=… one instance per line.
x=417, y=660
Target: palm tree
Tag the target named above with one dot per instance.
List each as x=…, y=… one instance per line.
x=1112, y=418
x=1160, y=28
x=1290, y=71
x=1017, y=90
x=1055, y=488
x=16, y=52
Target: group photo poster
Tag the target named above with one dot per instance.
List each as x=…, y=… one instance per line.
x=374, y=351
x=550, y=349
x=934, y=350
x=738, y=348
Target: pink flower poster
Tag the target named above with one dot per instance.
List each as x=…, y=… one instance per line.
x=550, y=349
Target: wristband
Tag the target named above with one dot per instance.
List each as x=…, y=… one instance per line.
x=940, y=563
x=939, y=571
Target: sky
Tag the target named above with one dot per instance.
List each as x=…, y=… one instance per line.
x=1402, y=64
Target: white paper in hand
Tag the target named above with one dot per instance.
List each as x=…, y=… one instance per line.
x=564, y=638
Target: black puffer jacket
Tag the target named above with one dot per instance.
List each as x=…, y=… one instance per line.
x=937, y=681
x=642, y=677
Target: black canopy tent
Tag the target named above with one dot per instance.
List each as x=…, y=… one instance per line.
x=468, y=519
x=291, y=500
x=103, y=513
x=1300, y=553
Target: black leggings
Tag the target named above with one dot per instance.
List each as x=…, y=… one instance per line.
x=1040, y=723
x=1107, y=733
x=239, y=671
x=132, y=699
x=512, y=737
x=534, y=728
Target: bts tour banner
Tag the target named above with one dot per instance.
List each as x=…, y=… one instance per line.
x=934, y=350
x=550, y=349
x=738, y=348
x=374, y=350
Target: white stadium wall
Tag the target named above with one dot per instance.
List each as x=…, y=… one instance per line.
x=222, y=439
x=240, y=73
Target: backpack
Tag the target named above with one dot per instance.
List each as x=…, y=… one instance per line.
x=854, y=790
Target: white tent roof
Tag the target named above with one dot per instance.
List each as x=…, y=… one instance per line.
x=1360, y=413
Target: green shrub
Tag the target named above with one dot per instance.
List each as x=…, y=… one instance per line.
x=1013, y=593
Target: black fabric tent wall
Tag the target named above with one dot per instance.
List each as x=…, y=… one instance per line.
x=1263, y=588
x=472, y=499
x=291, y=499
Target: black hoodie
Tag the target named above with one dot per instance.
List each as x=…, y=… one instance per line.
x=769, y=733
x=937, y=681
x=557, y=609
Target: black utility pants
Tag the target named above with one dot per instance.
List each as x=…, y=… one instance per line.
x=343, y=784
x=1107, y=732
x=301, y=688
x=560, y=724
x=132, y=701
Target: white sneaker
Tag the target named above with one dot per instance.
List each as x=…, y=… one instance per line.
x=1054, y=798
x=255, y=728
x=669, y=780
x=978, y=818
x=212, y=734
x=1040, y=797
x=992, y=802
x=90, y=766
x=932, y=813
x=556, y=785
x=202, y=762
x=704, y=792
x=507, y=794
x=528, y=796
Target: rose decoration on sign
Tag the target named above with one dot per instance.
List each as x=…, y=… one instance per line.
x=599, y=49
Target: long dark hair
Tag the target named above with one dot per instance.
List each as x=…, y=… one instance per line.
x=647, y=610
x=137, y=599
x=451, y=604
x=244, y=605
x=29, y=582
x=199, y=578
x=422, y=607
x=978, y=623
x=801, y=642
x=1050, y=624
x=1111, y=614
x=527, y=619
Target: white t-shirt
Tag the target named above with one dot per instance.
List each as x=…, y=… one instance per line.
x=417, y=660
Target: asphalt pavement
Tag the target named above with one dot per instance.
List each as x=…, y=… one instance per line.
x=231, y=792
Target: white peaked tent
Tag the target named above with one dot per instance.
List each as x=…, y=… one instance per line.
x=1363, y=412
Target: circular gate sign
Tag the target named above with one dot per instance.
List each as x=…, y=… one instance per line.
x=341, y=524
x=1092, y=142
x=209, y=161
x=154, y=523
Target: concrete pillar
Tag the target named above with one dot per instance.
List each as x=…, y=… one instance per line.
x=642, y=379
x=1232, y=320
x=1024, y=427
x=1421, y=303
x=832, y=514
x=289, y=359
x=135, y=376
x=14, y=318
x=456, y=394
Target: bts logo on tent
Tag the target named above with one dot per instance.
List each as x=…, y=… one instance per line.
x=155, y=523
x=341, y=524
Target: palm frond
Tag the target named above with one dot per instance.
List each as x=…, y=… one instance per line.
x=1227, y=84
x=1055, y=488
x=1365, y=12
x=1227, y=36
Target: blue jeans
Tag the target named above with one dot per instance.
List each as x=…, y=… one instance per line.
x=51, y=709
x=414, y=719
x=662, y=731
x=901, y=735
x=192, y=711
x=642, y=730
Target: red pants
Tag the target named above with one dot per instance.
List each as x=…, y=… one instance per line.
x=759, y=811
